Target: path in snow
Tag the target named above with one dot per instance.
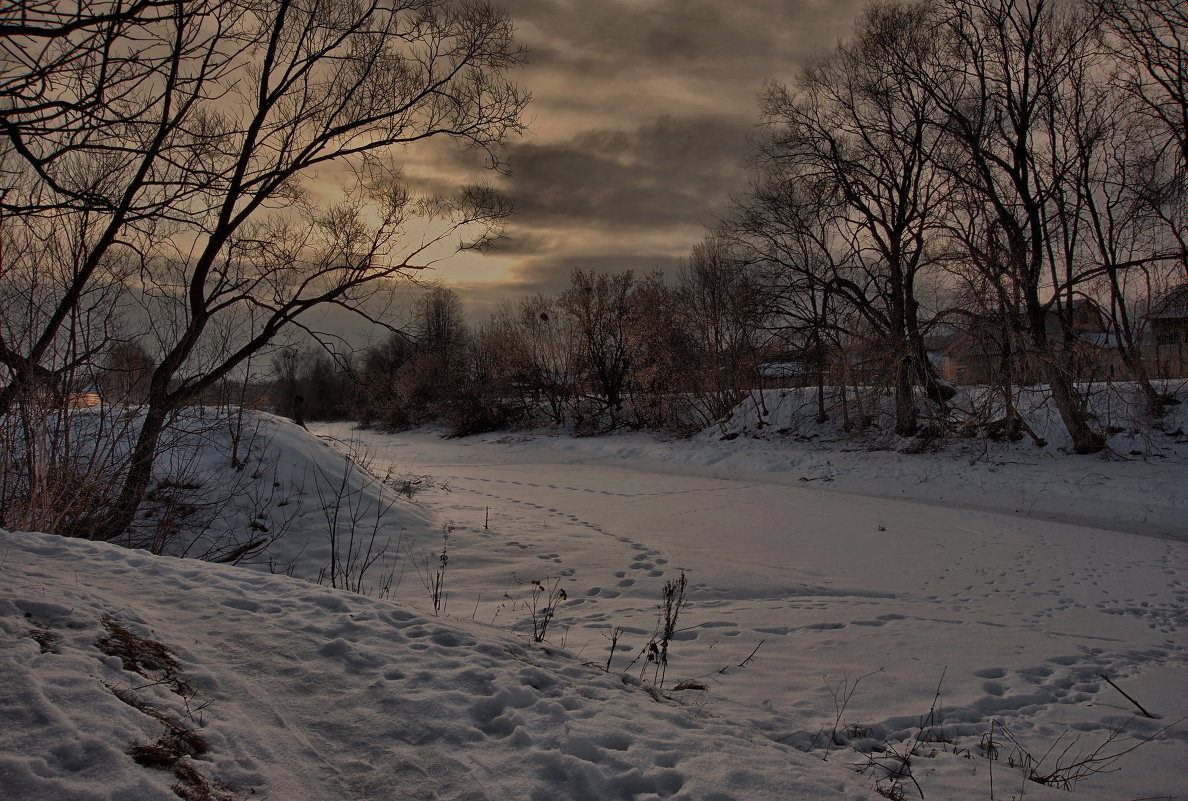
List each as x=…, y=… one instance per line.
x=1022, y=617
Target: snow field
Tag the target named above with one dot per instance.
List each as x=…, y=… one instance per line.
x=305, y=692
x=1021, y=616
x=875, y=587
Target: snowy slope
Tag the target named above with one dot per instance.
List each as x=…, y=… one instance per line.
x=301, y=692
x=274, y=501
x=845, y=605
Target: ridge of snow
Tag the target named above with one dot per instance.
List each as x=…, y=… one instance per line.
x=304, y=692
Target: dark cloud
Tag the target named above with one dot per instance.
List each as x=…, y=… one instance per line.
x=637, y=130
x=615, y=39
x=674, y=171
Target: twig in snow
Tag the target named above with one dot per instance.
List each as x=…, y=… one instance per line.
x=752, y=655
x=1127, y=697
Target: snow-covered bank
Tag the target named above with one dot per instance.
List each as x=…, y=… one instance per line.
x=301, y=692
x=1139, y=484
x=822, y=618
x=1138, y=495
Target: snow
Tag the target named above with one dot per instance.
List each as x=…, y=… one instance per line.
x=844, y=604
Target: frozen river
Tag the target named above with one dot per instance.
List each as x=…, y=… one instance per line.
x=1022, y=617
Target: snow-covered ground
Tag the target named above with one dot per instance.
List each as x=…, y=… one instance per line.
x=857, y=621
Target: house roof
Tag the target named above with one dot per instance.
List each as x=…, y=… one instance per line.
x=1100, y=339
x=784, y=369
x=1172, y=305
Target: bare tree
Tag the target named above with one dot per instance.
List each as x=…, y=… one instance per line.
x=722, y=313
x=125, y=374
x=1140, y=216
x=1120, y=191
x=189, y=156
x=1000, y=86
x=439, y=325
x=100, y=127
x=603, y=314
x=1149, y=43
x=434, y=377
x=784, y=230
x=664, y=390
x=376, y=398
x=852, y=124
x=540, y=355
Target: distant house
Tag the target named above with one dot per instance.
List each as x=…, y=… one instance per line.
x=787, y=374
x=1168, y=343
x=84, y=399
x=989, y=349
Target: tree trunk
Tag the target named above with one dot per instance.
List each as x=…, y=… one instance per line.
x=1130, y=349
x=905, y=403
x=140, y=475
x=847, y=425
x=299, y=410
x=1084, y=438
x=822, y=417
x=1060, y=383
x=1156, y=401
x=938, y=391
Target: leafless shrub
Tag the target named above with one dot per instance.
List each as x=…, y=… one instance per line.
x=546, y=595
x=655, y=652
x=60, y=466
x=433, y=579
x=355, y=511
x=842, y=690
x=1067, y=761
x=613, y=637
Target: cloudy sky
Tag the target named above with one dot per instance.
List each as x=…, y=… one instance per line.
x=638, y=126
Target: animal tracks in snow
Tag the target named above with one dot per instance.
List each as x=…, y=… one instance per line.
x=1021, y=616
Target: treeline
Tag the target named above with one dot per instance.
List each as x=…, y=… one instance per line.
x=987, y=192
x=1005, y=170
x=612, y=350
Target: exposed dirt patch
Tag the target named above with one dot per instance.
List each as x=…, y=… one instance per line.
x=180, y=744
